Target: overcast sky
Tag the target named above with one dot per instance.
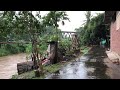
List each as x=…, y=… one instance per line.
x=76, y=19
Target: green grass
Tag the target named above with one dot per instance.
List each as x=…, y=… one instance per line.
x=50, y=69
x=54, y=67
x=31, y=75
x=27, y=75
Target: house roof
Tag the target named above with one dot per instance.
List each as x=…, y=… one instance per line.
x=108, y=16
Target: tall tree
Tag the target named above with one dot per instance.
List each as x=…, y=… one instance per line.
x=52, y=19
x=88, y=17
x=91, y=34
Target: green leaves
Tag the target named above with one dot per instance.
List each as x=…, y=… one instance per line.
x=92, y=29
x=53, y=17
x=22, y=26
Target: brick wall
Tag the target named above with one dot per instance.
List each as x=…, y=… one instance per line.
x=115, y=38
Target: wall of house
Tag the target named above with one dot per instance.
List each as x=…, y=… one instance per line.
x=115, y=38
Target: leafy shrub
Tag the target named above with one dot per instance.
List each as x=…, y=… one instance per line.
x=28, y=48
x=3, y=52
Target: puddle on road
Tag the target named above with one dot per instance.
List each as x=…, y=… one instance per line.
x=71, y=71
x=89, y=66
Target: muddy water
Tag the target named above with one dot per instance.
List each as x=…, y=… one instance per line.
x=89, y=66
x=8, y=65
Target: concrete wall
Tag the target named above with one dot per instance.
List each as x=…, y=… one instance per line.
x=114, y=38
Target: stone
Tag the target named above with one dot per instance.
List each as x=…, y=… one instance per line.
x=25, y=66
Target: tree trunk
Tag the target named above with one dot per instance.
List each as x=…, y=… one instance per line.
x=34, y=53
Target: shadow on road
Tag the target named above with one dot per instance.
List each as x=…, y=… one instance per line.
x=96, y=61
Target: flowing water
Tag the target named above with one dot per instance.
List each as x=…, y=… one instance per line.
x=8, y=65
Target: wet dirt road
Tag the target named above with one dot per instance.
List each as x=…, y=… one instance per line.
x=8, y=65
x=88, y=66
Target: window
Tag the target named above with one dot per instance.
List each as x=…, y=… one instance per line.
x=118, y=20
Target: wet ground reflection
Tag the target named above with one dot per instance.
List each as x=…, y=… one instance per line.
x=88, y=66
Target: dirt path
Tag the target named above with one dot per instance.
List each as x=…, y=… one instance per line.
x=8, y=65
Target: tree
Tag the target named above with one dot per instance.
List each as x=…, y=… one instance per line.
x=23, y=26
x=93, y=30
x=33, y=28
x=52, y=19
x=7, y=24
x=88, y=17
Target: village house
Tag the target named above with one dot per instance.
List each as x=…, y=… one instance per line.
x=112, y=19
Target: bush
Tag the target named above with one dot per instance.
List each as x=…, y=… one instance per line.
x=28, y=48
x=42, y=48
x=22, y=48
x=65, y=45
x=3, y=52
x=13, y=48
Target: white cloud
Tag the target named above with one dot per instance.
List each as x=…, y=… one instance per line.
x=76, y=19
